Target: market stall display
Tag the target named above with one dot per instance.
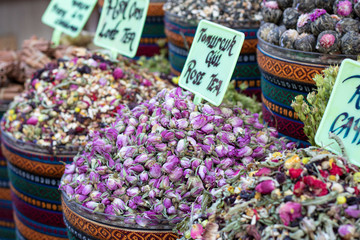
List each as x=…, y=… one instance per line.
x=157, y=160
x=47, y=124
x=300, y=194
x=298, y=40
x=15, y=68
x=182, y=17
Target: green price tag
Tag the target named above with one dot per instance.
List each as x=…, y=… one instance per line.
x=211, y=62
x=68, y=16
x=121, y=25
x=342, y=113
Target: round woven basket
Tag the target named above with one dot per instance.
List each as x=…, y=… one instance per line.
x=286, y=73
x=180, y=35
x=34, y=180
x=82, y=224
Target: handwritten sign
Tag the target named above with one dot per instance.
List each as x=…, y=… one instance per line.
x=121, y=25
x=342, y=113
x=211, y=62
x=68, y=16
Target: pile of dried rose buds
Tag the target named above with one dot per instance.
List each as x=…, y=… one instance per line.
x=64, y=102
x=303, y=194
x=157, y=160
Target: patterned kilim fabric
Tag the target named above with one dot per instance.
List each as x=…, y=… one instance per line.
x=281, y=82
x=34, y=182
x=153, y=31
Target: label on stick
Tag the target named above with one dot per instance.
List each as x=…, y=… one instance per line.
x=211, y=61
x=341, y=116
x=68, y=16
x=121, y=25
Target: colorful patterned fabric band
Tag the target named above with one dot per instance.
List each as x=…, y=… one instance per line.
x=281, y=82
x=153, y=31
x=34, y=182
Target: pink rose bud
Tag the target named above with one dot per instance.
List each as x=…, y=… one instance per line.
x=171, y=210
x=69, y=190
x=208, y=110
x=161, y=147
x=117, y=202
x=91, y=205
x=69, y=168
x=155, y=171
x=196, y=231
x=176, y=174
x=32, y=121
x=111, y=184
x=265, y=187
x=208, y=128
x=95, y=196
x=118, y=73
x=353, y=211
x=133, y=191
x=144, y=177
x=87, y=189
x=181, y=123
x=347, y=231
x=181, y=146
x=61, y=74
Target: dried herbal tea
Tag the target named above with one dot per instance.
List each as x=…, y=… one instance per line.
x=343, y=8
x=321, y=21
x=328, y=42
x=288, y=38
x=304, y=5
x=157, y=160
x=304, y=23
x=290, y=18
x=302, y=194
x=325, y=4
x=350, y=43
x=305, y=42
x=346, y=25
x=271, y=12
x=283, y=4
x=274, y=34
x=265, y=29
x=63, y=102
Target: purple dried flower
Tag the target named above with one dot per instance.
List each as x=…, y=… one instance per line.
x=265, y=187
x=133, y=191
x=316, y=14
x=344, y=8
x=167, y=203
x=69, y=190
x=181, y=146
x=69, y=168
x=353, y=211
x=155, y=171
x=199, y=121
x=87, y=189
x=171, y=210
x=208, y=110
x=176, y=174
x=111, y=184
x=95, y=196
x=32, y=121
x=91, y=205
x=144, y=177
x=346, y=231
x=118, y=73
x=161, y=147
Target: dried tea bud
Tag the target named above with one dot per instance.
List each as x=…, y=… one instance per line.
x=304, y=23
x=357, y=9
x=343, y=8
x=350, y=43
x=328, y=42
x=271, y=12
x=304, y=5
x=325, y=4
x=265, y=29
x=321, y=21
x=288, y=38
x=290, y=18
x=346, y=25
x=305, y=42
x=274, y=35
x=283, y=4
